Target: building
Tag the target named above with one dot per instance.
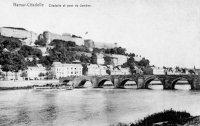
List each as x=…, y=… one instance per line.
x=12, y=76
x=119, y=59
x=120, y=71
x=33, y=73
x=90, y=44
x=49, y=37
x=94, y=70
x=27, y=37
x=100, y=58
x=197, y=71
x=158, y=71
x=63, y=70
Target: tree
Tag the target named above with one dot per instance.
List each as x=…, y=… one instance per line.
x=120, y=50
x=191, y=71
x=10, y=43
x=24, y=74
x=144, y=62
x=108, y=60
x=84, y=59
x=30, y=51
x=2, y=75
x=12, y=62
x=46, y=61
x=131, y=54
x=37, y=52
x=25, y=50
x=34, y=62
x=94, y=58
x=62, y=44
x=130, y=64
x=108, y=71
x=41, y=74
x=85, y=69
x=40, y=42
x=50, y=75
x=147, y=71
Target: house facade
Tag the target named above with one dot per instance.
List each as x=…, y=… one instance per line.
x=63, y=70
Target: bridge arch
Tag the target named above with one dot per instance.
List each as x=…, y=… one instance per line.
x=82, y=83
x=102, y=82
x=189, y=80
x=123, y=82
x=66, y=81
x=149, y=80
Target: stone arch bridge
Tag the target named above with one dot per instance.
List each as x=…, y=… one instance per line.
x=142, y=81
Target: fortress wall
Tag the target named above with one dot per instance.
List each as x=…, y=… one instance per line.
x=20, y=34
x=48, y=36
x=104, y=45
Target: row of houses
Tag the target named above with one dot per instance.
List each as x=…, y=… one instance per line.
x=60, y=70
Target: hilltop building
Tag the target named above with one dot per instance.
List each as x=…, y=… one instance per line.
x=49, y=37
x=27, y=37
x=90, y=44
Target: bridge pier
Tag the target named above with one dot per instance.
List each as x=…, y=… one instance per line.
x=117, y=83
x=141, y=83
x=167, y=84
x=196, y=83
x=94, y=82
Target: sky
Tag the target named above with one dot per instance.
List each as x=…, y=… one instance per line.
x=167, y=32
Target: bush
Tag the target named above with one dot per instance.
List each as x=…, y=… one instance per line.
x=171, y=116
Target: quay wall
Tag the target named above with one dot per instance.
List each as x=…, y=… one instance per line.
x=25, y=83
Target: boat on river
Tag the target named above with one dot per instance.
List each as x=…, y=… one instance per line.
x=54, y=86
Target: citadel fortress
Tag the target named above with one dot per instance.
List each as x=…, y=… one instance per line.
x=73, y=69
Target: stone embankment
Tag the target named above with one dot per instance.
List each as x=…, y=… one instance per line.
x=6, y=85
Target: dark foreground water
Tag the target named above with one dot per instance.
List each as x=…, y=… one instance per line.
x=91, y=107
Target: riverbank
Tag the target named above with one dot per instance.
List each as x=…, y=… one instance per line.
x=167, y=118
x=26, y=84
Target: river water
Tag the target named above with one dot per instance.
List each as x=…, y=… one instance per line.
x=92, y=106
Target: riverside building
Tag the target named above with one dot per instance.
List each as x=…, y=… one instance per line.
x=120, y=71
x=94, y=70
x=33, y=73
x=63, y=70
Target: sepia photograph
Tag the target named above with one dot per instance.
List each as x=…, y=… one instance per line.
x=100, y=63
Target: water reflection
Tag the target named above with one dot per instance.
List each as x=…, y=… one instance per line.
x=23, y=116
x=49, y=110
